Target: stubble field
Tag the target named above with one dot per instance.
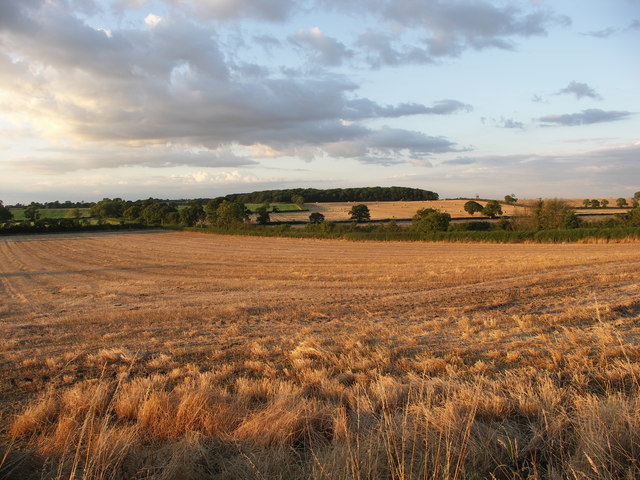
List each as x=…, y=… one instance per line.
x=184, y=355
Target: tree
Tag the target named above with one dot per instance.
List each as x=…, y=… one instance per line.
x=360, y=213
x=586, y=203
x=636, y=196
x=594, y=203
x=621, y=202
x=472, y=207
x=107, y=208
x=633, y=217
x=31, y=213
x=510, y=199
x=229, y=214
x=210, y=210
x=5, y=213
x=604, y=203
x=492, y=209
x=430, y=220
x=74, y=213
x=316, y=217
x=191, y=214
x=298, y=200
x=158, y=213
x=262, y=214
x=132, y=212
x=555, y=214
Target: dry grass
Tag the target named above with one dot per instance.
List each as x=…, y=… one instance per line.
x=335, y=211
x=176, y=355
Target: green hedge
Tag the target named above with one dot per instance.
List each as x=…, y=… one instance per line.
x=497, y=236
x=62, y=226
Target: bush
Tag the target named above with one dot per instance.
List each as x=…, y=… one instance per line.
x=492, y=209
x=430, y=220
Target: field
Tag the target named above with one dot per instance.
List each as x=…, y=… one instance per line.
x=18, y=213
x=282, y=207
x=339, y=211
x=185, y=355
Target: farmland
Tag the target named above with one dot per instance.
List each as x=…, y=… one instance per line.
x=18, y=213
x=185, y=355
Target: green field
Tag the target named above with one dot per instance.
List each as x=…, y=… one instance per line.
x=282, y=207
x=18, y=213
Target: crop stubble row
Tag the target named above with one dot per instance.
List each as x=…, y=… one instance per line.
x=187, y=293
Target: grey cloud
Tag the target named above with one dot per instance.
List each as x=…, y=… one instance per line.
x=460, y=161
x=510, y=123
x=456, y=26
x=609, y=31
x=580, y=90
x=364, y=108
x=446, y=107
x=267, y=41
x=604, y=33
x=269, y=10
x=586, y=117
x=382, y=160
x=56, y=161
x=389, y=146
x=450, y=28
x=171, y=82
x=328, y=51
x=379, y=51
x=600, y=171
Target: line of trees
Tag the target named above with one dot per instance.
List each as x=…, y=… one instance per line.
x=621, y=202
x=312, y=195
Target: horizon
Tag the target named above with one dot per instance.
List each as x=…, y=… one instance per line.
x=200, y=99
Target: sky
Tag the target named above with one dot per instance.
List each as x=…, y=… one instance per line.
x=200, y=98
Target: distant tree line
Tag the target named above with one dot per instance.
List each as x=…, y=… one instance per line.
x=54, y=204
x=312, y=195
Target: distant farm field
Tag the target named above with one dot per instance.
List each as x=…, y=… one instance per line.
x=281, y=207
x=18, y=213
x=185, y=355
x=339, y=211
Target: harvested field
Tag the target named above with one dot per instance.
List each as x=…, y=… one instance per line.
x=185, y=355
x=337, y=211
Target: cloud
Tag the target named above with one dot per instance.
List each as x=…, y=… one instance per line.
x=447, y=28
x=326, y=50
x=62, y=160
x=609, y=31
x=580, y=90
x=604, y=33
x=390, y=146
x=171, y=82
x=586, y=117
x=460, y=161
x=269, y=10
x=510, y=123
x=379, y=51
x=204, y=178
x=599, y=172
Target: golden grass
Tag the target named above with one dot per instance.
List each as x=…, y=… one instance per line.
x=179, y=355
x=335, y=211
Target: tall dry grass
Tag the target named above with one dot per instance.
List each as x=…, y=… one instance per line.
x=333, y=412
x=357, y=362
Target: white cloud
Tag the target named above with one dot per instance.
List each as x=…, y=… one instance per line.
x=152, y=20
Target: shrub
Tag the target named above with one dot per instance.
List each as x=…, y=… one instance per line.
x=430, y=220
